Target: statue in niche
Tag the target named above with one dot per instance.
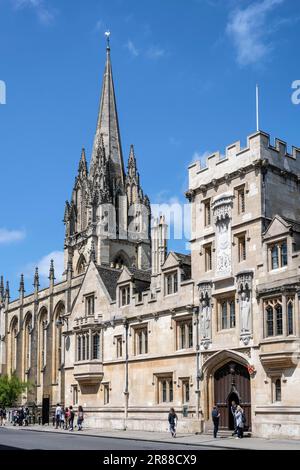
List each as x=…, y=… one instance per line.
x=223, y=262
x=205, y=318
x=245, y=312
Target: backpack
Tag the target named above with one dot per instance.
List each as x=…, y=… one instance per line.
x=243, y=418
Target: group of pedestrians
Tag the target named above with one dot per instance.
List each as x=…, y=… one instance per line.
x=20, y=416
x=239, y=420
x=64, y=418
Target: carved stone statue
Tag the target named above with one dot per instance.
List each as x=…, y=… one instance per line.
x=223, y=248
x=205, y=319
x=245, y=312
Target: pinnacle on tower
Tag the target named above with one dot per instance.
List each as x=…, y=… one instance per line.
x=93, y=252
x=51, y=271
x=22, y=287
x=7, y=293
x=82, y=168
x=36, y=281
x=1, y=288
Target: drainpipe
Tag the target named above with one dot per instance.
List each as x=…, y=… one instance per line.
x=196, y=314
x=126, y=392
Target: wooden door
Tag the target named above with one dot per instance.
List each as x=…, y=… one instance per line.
x=232, y=383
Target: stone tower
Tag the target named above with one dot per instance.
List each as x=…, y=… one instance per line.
x=108, y=209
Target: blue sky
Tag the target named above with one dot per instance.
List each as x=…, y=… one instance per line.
x=185, y=74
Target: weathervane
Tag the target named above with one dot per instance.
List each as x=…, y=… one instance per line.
x=107, y=34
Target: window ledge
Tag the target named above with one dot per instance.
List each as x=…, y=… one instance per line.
x=278, y=270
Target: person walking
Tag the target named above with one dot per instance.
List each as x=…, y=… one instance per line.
x=240, y=420
x=1, y=416
x=62, y=419
x=233, y=410
x=57, y=415
x=215, y=414
x=67, y=418
x=172, y=419
x=80, y=418
x=71, y=419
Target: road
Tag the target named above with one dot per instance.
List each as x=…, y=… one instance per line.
x=12, y=439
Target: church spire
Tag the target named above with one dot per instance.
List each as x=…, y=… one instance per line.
x=108, y=126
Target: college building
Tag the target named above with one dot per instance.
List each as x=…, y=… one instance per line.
x=134, y=329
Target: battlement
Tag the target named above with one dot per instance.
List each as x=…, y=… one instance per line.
x=258, y=148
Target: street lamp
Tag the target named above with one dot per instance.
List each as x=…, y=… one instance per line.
x=198, y=371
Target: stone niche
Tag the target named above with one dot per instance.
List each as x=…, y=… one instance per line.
x=222, y=208
x=205, y=302
x=244, y=282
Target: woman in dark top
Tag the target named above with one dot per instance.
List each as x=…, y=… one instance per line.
x=173, y=419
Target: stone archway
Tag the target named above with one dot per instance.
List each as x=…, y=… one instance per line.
x=232, y=382
x=217, y=367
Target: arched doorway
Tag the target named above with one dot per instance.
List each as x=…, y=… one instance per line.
x=232, y=383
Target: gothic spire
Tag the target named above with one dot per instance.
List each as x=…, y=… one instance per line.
x=108, y=125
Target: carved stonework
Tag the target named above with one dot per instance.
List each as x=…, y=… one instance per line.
x=222, y=207
x=205, y=312
x=244, y=282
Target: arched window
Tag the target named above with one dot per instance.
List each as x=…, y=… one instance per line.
x=78, y=348
x=232, y=314
x=43, y=323
x=27, y=342
x=13, y=344
x=274, y=257
x=278, y=390
x=224, y=315
x=270, y=321
x=83, y=348
x=279, y=326
x=96, y=346
x=290, y=318
x=81, y=265
x=57, y=340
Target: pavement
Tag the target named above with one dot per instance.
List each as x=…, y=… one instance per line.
x=200, y=441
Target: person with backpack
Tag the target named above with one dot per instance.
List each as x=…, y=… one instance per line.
x=172, y=419
x=240, y=422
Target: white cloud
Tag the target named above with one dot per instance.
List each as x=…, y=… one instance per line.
x=151, y=52
x=250, y=28
x=201, y=156
x=99, y=25
x=155, y=52
x=10, y=236
x=44, y=14
x=132, y=49
x=44, y=264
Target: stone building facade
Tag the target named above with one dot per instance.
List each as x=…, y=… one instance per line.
x=133, y=329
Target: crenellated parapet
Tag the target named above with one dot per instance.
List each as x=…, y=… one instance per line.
x=258, y=152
